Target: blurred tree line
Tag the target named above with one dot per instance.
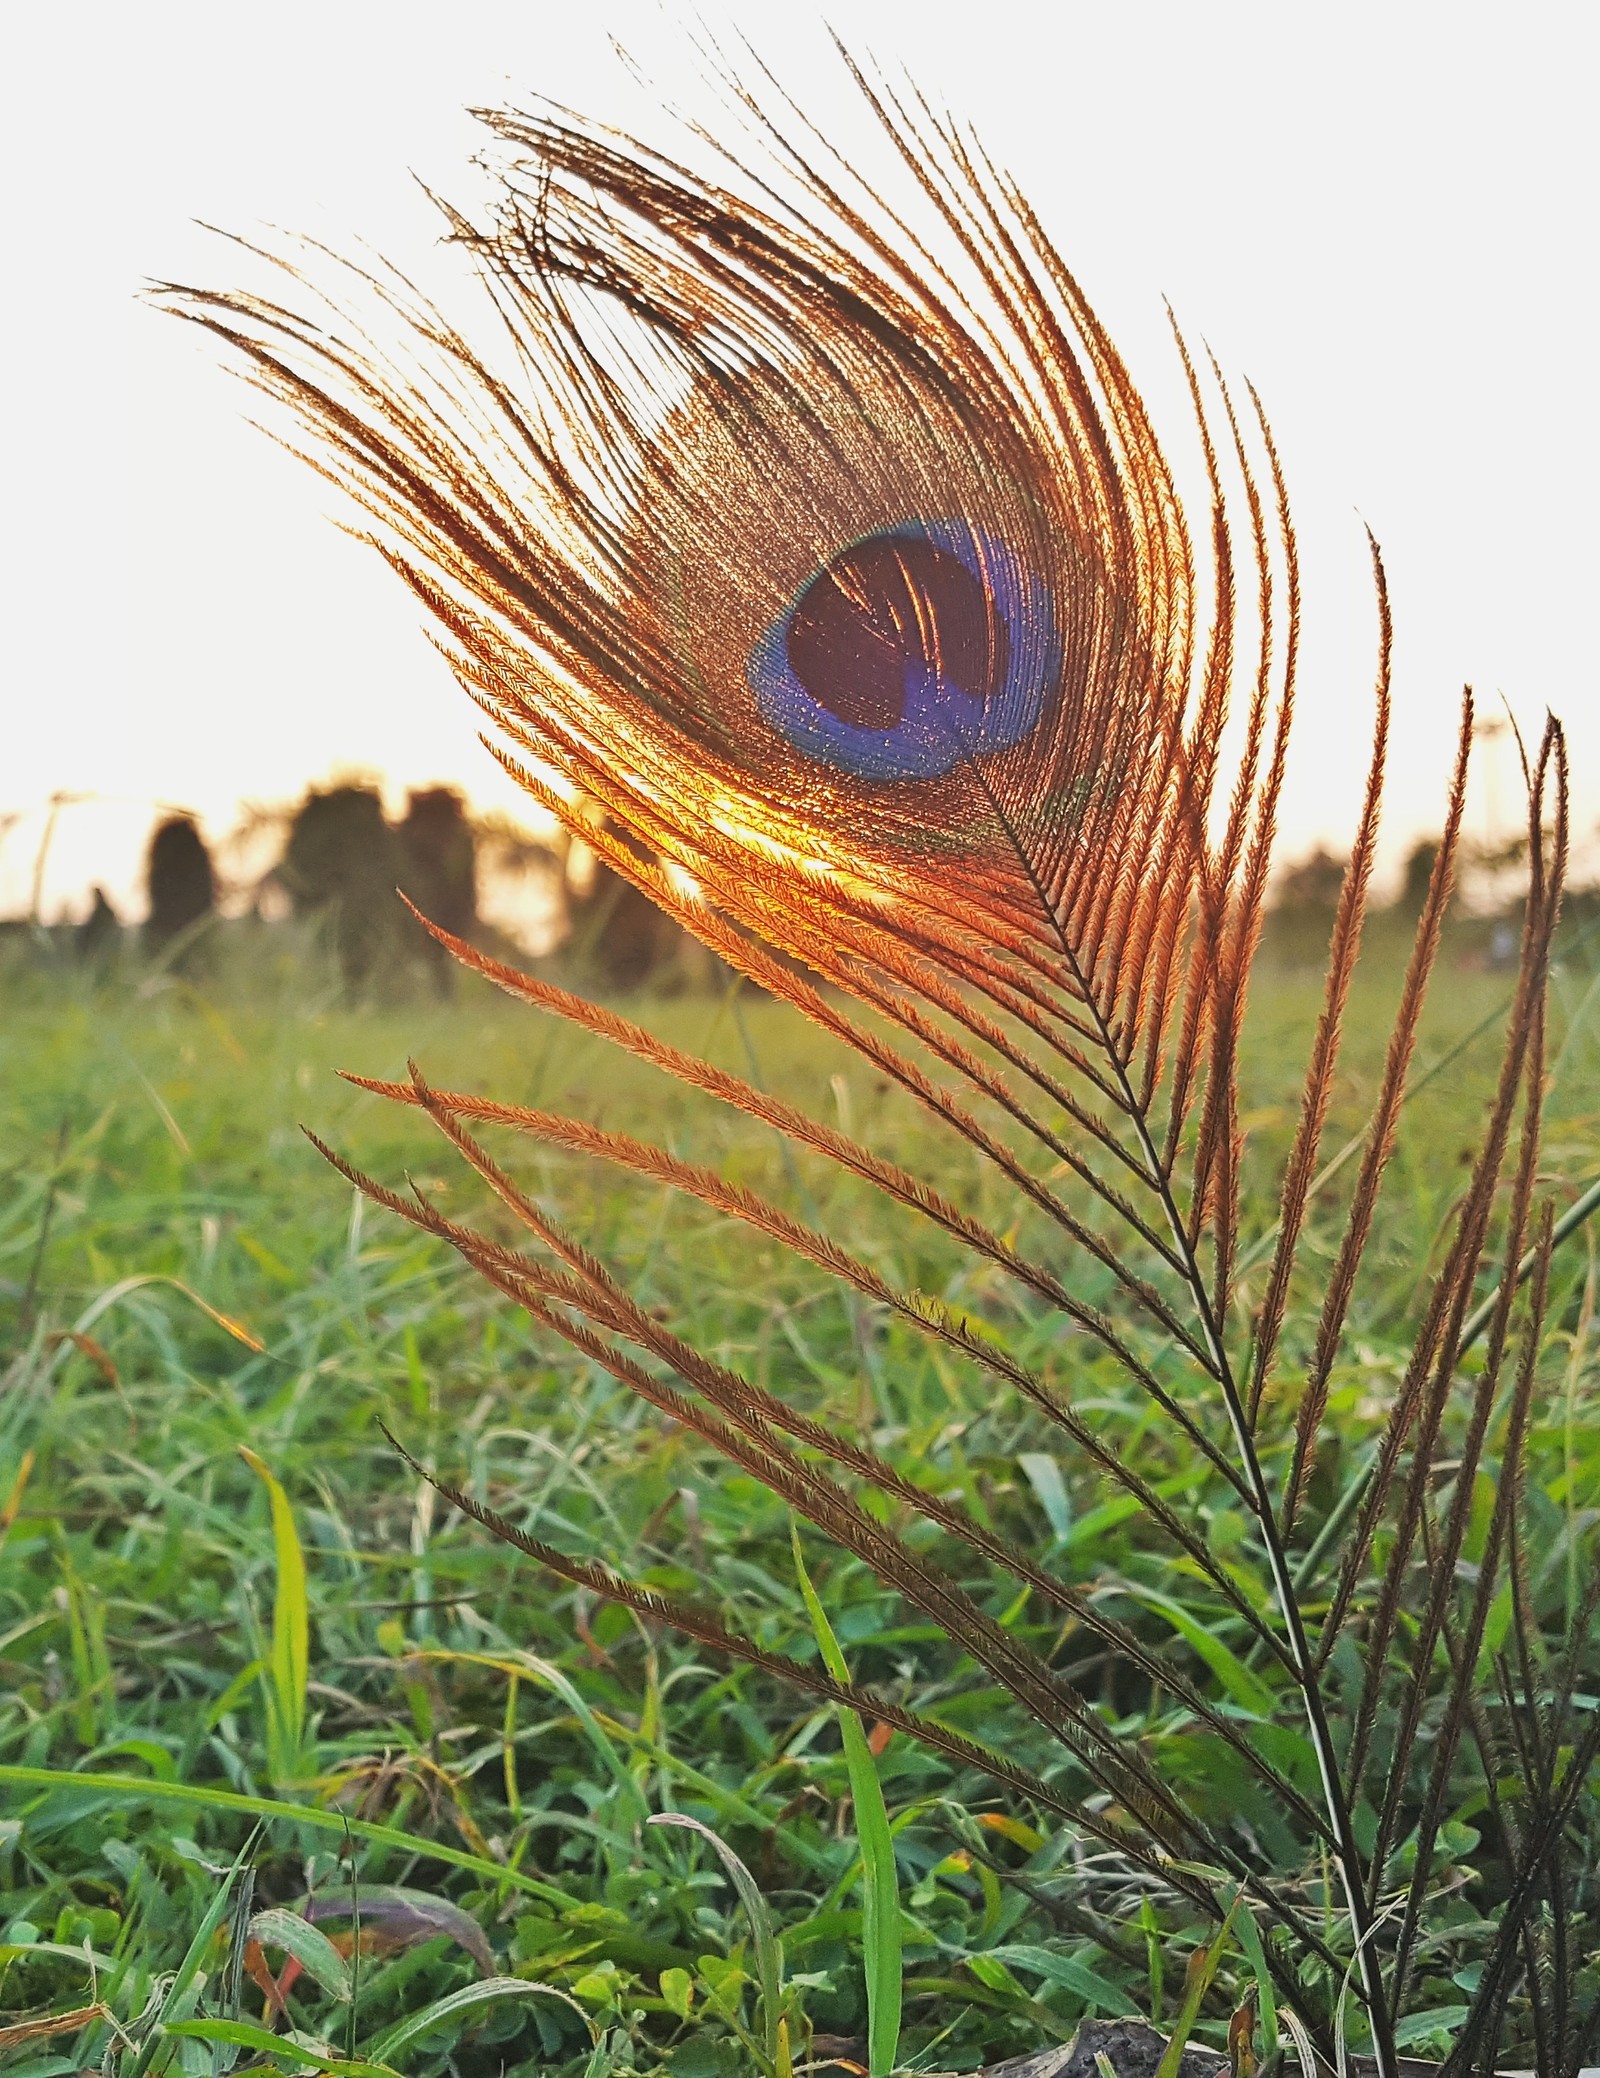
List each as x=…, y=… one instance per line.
x=1483, y=923
x=343, y=867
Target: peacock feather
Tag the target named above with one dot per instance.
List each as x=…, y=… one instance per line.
x=817, y=562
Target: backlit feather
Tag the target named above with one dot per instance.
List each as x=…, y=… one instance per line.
x=870, y=608
x=819, y=563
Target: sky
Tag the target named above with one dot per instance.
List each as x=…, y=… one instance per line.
x=1382, y=215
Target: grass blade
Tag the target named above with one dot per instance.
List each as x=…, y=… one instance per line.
x=880, y=1888
x=1295, y=2028
x=1066, y=1970
x=310, y=1947
x=1250, y=1941
x=1569, y=1222
x=141, y=1788
x=291, y=1651
x=769, y=1956
x=244, y=2034
x=489, y=1993
x=1197, y=1982
x=184, y=1986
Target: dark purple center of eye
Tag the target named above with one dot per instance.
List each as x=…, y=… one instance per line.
x=884, y=604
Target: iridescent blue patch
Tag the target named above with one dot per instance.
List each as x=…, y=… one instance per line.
x=910, y=649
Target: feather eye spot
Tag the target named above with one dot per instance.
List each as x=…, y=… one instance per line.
x=908, y=650
x=884, y=610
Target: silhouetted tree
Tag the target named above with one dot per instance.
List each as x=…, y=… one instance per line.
x=1313, y=884
x=441, y=870
x=621, y=934
x=1306, y=896
x=180, y=881
x=96, y=937
x=1415, y=876
x=343, y=863
x=625, y=936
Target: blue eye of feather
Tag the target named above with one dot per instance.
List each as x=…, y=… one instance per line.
x=909, y=650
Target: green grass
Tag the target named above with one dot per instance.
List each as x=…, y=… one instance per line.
x=302, y=1653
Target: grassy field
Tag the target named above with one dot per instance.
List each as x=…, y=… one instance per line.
x=221, y=1592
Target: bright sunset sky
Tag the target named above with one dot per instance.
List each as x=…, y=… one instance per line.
x=1383, y=214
